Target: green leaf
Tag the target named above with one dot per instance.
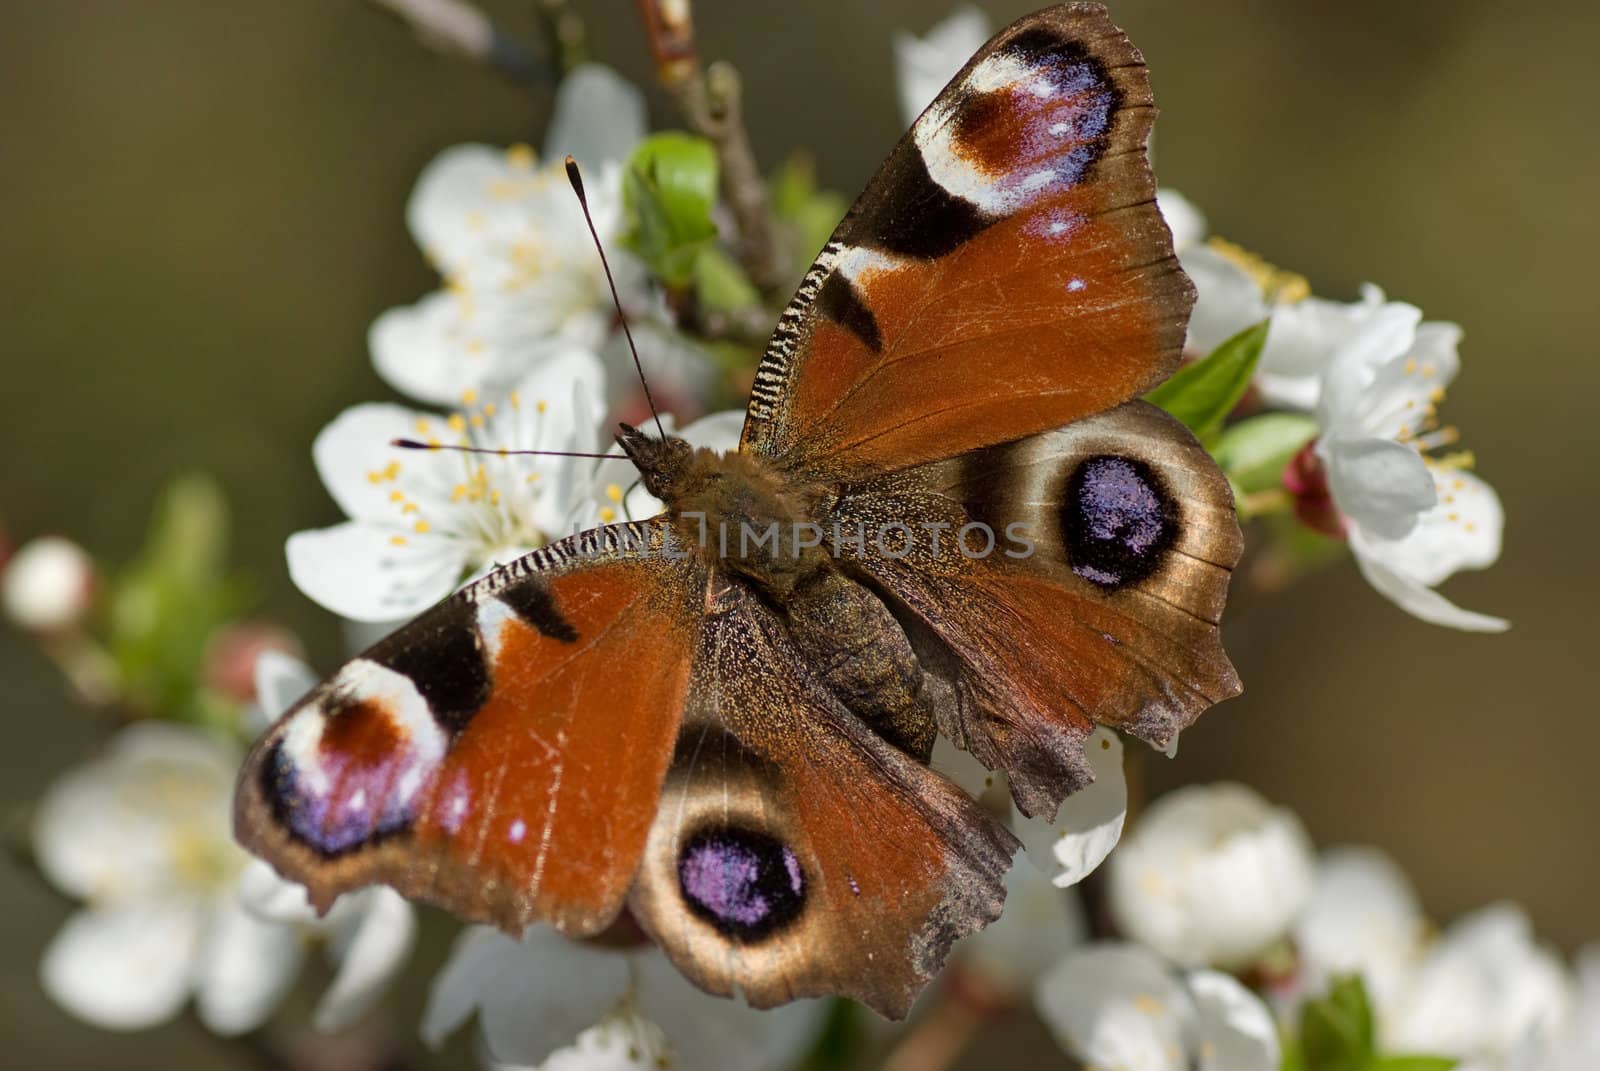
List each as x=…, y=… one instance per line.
x=719, y=282
x=1412, y=1063
x=167, y=603
x=668, y=191
x=809, y=214
x=1336, y=1031
x=843, y=1033
x=1202, y=394
x=1254, y=452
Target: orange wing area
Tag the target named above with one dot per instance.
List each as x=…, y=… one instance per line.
x=1005, y=272
x=502, y=755
x=796, y=852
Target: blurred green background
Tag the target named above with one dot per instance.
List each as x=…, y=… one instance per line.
x=203, y=214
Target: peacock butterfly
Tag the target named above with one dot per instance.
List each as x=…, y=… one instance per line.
x=722, y=718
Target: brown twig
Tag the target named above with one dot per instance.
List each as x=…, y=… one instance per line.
x=711, y=101
x=458, y=28
x=965, y=1003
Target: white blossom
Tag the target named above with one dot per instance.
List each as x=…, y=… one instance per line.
x=1412, y=520
x=47, y=585
x=523, y=282
x=562, y=1005
x=1211, y=875
x=1363, y=918
x=421, y=522
x=1486, y=992
x=1121, y=1007
x=142, y=836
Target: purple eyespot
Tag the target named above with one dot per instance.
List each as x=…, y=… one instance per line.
x=748, y=885
x=1118, y=519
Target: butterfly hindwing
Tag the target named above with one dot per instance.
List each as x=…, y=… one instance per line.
x=490, y=756
x=1004, y=273
x=796, y=852
x=1080, y=579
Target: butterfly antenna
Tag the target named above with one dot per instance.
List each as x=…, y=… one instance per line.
x=577, y=187
x=412, y=444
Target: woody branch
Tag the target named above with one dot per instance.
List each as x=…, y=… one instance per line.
x=710, y=99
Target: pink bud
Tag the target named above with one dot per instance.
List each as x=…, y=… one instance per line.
x=1306, y=480
x=230, y=660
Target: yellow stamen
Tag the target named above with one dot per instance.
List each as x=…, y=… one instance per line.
x=521, y=157
x=1277, y=285
x=421, y=527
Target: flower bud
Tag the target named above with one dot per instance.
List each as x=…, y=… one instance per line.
x=1213, y=875
x=1306, y=480
x=231, y=654
x=48, y=585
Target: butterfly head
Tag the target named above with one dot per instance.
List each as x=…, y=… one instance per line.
x=661, y=462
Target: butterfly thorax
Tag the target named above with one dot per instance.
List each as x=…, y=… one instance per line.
x=745, y=516
x=753, y=522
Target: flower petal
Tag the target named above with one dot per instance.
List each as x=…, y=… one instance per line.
x=246, y=966
x=1184, y=219
x=464, y=200
x=370, y=956
x=1463, y=531
x=1304, y=337
x=1382, y=486
x=599, y=117
x=1416, y=599
x=280, y=680
x=924, y=64
x=359, y=466
x=532, y=996
x=357, y=571
x=1227, y=300
x=1233, y=1029
x=716, y=431
x=1403, y=393
x=1089, y=823
x=1377, y=338
x=1117, y=1005
x=107, y=829
x=620, y=1042
x=1483, y=988
x=425, y=351
x=707, y=1031
x=1363, y=918
x=1040, y=925
x=126, y=967
x=272, y=898
x=1211, y=875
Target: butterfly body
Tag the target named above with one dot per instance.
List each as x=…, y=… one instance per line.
x=948, y=515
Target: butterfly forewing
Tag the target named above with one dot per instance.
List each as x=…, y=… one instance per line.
x=1004, y=273
x=502, y=754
